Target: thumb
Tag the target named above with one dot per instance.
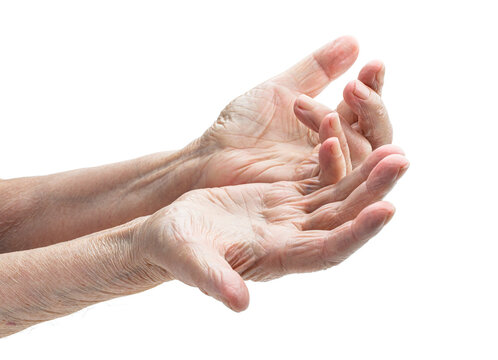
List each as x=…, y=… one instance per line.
x=312, y=74
x=212, y=274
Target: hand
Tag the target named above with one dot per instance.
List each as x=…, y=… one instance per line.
x=215, y=238
x=257, y=137
x=361, y=116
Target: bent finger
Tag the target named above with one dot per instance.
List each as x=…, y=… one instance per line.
x=372, y=75
x=380, y=181
x=345, y=187
x=373, y=119
x=331, y=127
x=310, y=112
x=332, y=162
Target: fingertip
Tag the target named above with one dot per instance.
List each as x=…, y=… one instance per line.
x=360, y=90
x=334, y=147
x=304, y=102
x=388, y=149
x=389, y=213
x=348, y=91
x=404, y=168
x=329, y=152
x=372, y=67
x=377, y=156
x=379, y=78
x=333, y=119
x=396, y=160
x=380, y=213
x=332, y=161
x=235, y=293
x=373, y=218
x=332, y=59
x=330, y=126
x=338, y=56
x=389, y=170
x=383, y=209
x=350, y=42
x=303, y=109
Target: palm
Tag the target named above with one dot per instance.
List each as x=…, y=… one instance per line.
x=264, y=231
x=247, y=223
x=262, y=140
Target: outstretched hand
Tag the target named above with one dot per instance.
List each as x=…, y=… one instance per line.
x=276, y=131
x=215, y=238
x=257, y=137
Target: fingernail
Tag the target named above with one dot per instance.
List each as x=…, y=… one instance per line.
x=335, y=148
x=361, y=91
x=388, y=218
x=402, y=171
x=334, y=122
x=304, y=102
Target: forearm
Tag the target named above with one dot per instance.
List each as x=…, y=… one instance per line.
x=40, y=211
x=50, y=282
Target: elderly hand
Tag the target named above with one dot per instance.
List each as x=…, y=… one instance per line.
x=215, y=238
x=258, y=138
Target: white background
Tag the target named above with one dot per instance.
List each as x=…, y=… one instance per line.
x=84, y=83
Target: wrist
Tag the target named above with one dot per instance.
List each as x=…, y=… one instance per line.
x=187, y=168
x=195, y=160
x=171, y=174
x=138, y=258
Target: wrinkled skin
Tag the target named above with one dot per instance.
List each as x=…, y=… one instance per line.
x=216, y=238
x=258, y=137
x=362, y=116
x=260, y=140
x=291, y=215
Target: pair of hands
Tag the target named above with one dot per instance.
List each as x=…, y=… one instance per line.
x=313, y=180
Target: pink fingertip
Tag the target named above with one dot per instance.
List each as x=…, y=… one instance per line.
x=375, y=65
x=378, y=215
x=335, y=147
x=235, y=292
x=304, y=102
x=360, y=90
x=386, y=150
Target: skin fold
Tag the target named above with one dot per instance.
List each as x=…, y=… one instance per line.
x=279, y=184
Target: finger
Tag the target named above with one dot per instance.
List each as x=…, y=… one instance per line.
x=312, y=74
x=372, y=75
x=310, y=112
x=331, y=127
x=344, y=241
x=332, y=162
x=213, y=276
x=372, y=114
x=359, y=146
x=380, y=181
x=318, y=249
x=343, y=188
